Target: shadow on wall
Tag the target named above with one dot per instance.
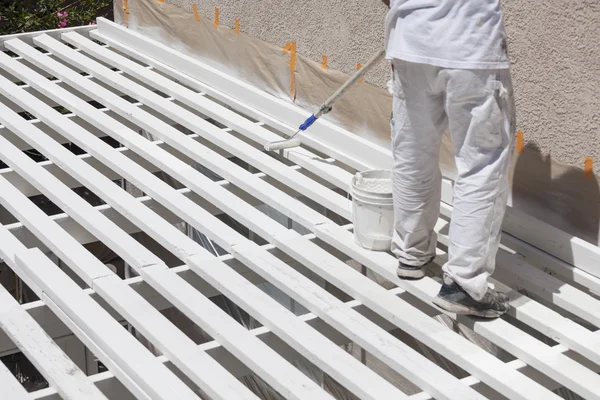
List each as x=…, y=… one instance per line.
x=557, y=194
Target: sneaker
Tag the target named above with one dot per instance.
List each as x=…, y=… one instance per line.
x=405, y=271
x=454, y=299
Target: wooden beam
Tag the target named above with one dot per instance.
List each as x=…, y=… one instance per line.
x=28, y=37
x=150, y=378
x=56, y=367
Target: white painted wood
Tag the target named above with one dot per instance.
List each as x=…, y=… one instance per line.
x=10, y=387
x=207, y=373
x=63, y=245
x=165, y=233
x=27, y=37
x=578, y=378
x=96, y=349
x=322, y=135
x=171, y=136
x=394, y=353
x=216, y=351
x=513, y=269
x=56, y=329
x=137, y=362
x=552, y=324
x=58, y=369
x=120, y=242
x=190, y=98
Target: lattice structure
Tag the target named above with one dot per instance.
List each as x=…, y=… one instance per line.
x=112, y=82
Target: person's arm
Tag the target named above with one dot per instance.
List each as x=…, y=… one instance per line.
x=386, y=2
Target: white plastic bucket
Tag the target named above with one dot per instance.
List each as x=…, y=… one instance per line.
x=373, y=209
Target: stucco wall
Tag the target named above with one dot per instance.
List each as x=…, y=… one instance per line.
x=554, y=50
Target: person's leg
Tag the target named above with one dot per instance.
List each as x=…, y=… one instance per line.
x=482, y=122
x=417, y=124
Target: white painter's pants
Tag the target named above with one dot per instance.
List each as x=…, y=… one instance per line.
x=477, y=106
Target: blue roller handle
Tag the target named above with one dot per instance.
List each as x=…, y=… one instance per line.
x=311, y=120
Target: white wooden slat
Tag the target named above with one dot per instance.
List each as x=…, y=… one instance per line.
x=52, y=133
x=58, y=369
x=555, y=326
x=54, y=49
x=152, y=376
x=27, y=37
x=152, y=184
x=192, y=305
x=323, y=135
x=87, y=220
x=560, y=244
x=551, y=264
x=203, y=370
x=216, y=351
x=45, y=318
x=211, y=159
x=188, y=119
x=190, y=98
x=84, y=237
x=571, y=249
x=513, y=269
x=10, y=387
x=564, y=370
x=230, y=208
x=398, y=356
x=96, y=349
x=85, y=264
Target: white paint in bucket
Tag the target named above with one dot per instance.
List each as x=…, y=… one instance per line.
x=373, y=209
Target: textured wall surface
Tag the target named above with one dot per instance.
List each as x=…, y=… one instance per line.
x=554, y=47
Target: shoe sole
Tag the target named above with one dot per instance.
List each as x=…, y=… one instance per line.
x=460, y=309
x=410, y=273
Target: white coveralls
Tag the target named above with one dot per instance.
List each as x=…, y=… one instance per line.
x=450, y=70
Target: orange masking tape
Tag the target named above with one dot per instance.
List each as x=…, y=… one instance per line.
x=520, y=142
x=160, y=1
x=195, y=7
x=216, y=17
x=126, y=10
x=589, y=167
x=359, y=66
x=237, y=26
x=293, y=70
x=324, y=62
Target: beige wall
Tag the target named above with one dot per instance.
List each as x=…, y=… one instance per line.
x=555, y=53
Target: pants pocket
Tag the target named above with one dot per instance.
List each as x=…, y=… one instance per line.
x=487, y=123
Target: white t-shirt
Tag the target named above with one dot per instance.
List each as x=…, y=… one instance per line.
x=464, y=34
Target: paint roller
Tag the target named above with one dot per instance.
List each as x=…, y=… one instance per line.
x=325, y=108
